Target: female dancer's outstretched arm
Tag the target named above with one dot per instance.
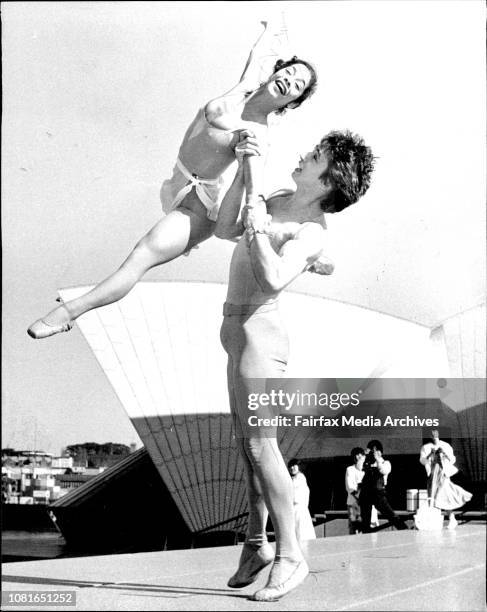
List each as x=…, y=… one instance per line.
x=268, y=47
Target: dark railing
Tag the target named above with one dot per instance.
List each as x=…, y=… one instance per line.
x=221, y=523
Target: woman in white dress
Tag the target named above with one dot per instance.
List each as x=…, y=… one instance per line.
x=438, y=459
x=303, y=522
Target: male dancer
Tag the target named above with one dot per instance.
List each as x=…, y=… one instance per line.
x=277, y=248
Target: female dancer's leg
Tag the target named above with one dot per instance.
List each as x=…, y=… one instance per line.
x=175, y=234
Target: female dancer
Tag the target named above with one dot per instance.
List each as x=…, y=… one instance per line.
x=192, y=196
x=438, y=459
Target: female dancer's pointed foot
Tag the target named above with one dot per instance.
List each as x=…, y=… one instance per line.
x=252, y=561
x=57, y=321
x=285, y=576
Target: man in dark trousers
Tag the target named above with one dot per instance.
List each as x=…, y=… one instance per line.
x=373, y=489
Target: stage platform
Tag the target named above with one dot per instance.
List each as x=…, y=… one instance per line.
x=393, y=570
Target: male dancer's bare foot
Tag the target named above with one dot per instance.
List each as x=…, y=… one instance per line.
x=286, y=574
x=58, y=320
x=252, y=560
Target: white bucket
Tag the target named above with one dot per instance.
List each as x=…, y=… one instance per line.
x=412, y=499
x=428, y=519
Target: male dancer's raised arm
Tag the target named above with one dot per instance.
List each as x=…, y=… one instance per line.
x=274, y=271
x=302, y=247
x=229, y=224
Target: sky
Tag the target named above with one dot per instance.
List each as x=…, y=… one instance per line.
x=96, y=98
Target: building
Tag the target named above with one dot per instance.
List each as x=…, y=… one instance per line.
x=36, y=477
x=168, y=369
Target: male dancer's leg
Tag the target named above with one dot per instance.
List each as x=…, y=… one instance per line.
x=262, y=355
x=256, y=552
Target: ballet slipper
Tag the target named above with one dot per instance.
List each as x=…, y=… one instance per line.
x=42, y=329
x=275, y=592
x=247, y=572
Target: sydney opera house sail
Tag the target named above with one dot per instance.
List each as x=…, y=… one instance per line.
x=159, y=348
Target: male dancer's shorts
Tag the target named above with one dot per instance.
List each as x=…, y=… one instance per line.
x=257, y=345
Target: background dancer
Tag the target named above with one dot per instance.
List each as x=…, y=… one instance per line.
x=438, y=459
x=302, y=518
x=373, y=489
x=284, y=237
x=353, y=479
x=192, y=196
